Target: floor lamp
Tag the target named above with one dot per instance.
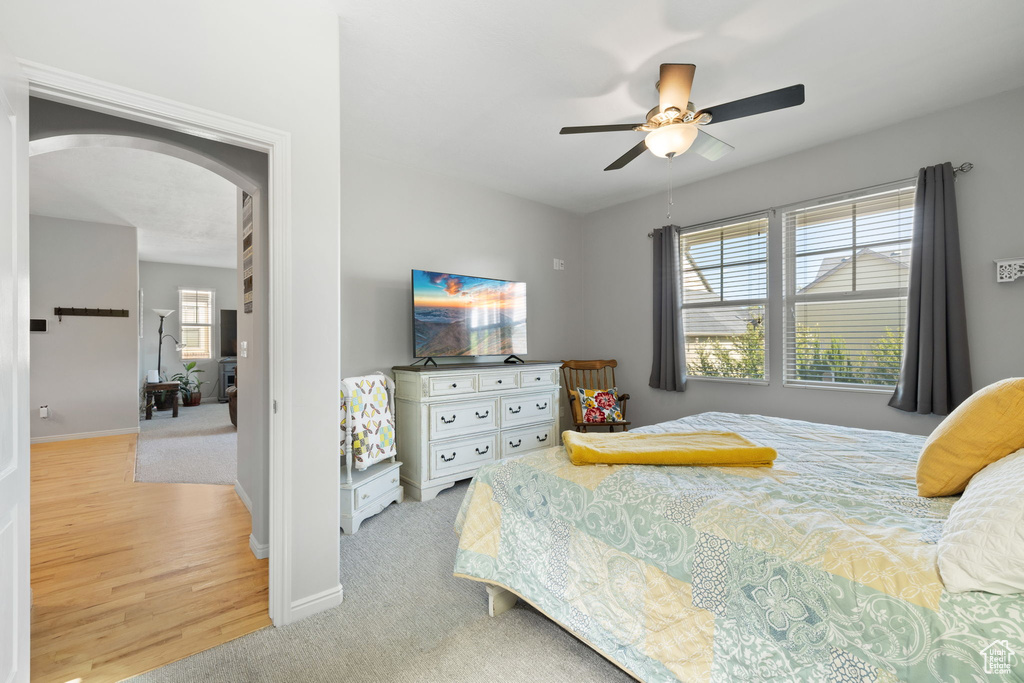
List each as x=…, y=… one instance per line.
x=156, y=375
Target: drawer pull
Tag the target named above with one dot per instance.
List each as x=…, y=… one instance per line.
x=542, y=407
x=481, y=452
x=395, y=480
x=365, y=496
x=448, y=422
x=455, y=385
x=499, y=381
x=536, y=379
x=542, y=440
x=517, y=444
x=447, y=459
x=515, y=411
x=486, y=414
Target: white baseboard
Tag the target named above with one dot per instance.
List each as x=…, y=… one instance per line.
x=305, y=607
x=84, y=435
x=260, y=550
x=240, y=492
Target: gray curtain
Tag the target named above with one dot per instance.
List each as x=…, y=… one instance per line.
x=668, y=371
x=935, y=376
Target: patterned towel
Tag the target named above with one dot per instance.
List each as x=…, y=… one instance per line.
x=367, y=419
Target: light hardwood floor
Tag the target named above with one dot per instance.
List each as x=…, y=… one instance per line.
x=130, y=576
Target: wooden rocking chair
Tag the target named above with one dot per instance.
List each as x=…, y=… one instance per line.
x=591, y=374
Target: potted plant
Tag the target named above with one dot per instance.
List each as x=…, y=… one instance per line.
x=189, y=384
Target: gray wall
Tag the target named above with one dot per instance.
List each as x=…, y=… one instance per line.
x=253, y=377
x=84, y=368
x=395, y=219
x=160, y=283
x=617, y=320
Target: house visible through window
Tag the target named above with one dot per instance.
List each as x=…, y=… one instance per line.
x=196, y=323
x=723, y=268
x=846, y=272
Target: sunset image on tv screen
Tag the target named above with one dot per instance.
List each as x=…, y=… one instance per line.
x=458, y=315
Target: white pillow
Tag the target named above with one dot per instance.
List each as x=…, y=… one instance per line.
x=982, y=543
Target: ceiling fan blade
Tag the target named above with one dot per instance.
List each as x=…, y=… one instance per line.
x=758, y=104
x=568, y=130
x=640, y=148
x=674, y=86
x=710, y=147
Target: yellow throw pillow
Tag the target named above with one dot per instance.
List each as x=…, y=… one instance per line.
x=988, y=426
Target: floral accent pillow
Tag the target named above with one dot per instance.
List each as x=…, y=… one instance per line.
x=599, y=405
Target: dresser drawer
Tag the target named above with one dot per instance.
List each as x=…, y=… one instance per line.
x=464, y=455
x=516, y=441
x=451, y=385
x=499, y=381
x=449, y=420
x=537, y=378
x=368, y=492
x=521, y=410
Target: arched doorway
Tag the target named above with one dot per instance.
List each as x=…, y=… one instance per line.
x=55, y=145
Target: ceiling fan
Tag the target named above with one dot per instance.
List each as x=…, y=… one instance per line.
x=673, y=126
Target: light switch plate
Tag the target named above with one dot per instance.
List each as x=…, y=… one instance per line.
x=243, y=349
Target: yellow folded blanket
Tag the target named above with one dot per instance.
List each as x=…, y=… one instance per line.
x=718, y=449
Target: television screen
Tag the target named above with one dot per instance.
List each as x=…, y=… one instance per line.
x=458, y=315
x=228, y=332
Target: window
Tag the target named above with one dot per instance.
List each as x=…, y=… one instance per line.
x=846, y=271
x=723, y=270
x=196, y=323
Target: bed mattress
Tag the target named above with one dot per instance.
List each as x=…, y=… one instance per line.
x=821, y=568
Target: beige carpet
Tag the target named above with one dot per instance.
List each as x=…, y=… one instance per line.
x=405, y=618
x=200, y=446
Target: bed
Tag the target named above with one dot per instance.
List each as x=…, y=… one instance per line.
x=821, y=568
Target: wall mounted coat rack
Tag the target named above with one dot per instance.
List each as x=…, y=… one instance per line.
x=100, y=312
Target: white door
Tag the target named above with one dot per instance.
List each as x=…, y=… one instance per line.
x=14, y=397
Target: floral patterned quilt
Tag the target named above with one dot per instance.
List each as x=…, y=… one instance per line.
x=821, y=568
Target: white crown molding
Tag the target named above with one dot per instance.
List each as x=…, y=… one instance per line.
x=84, y=435
x=88, y=93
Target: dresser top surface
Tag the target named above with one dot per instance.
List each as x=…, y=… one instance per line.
x=472, y=366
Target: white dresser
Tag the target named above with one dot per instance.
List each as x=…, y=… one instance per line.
x=454, y=418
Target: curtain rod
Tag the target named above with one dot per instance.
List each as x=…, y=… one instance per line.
x=965, y=167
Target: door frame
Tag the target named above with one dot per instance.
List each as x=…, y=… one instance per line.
x=81, y=91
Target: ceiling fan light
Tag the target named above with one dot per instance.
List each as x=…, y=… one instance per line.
x=671, y=140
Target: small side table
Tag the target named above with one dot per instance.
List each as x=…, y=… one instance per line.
x=151, y=391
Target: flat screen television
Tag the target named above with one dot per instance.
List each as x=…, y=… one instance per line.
x=228, y=332
x=459, y=315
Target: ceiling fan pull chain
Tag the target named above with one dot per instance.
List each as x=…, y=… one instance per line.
x=668, y=213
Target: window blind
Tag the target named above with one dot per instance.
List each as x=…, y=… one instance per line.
x=846, y=270
x=196, y=307
x=723, y=271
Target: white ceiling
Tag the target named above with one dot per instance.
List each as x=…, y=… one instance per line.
x=183, y=212
x=479, y=90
